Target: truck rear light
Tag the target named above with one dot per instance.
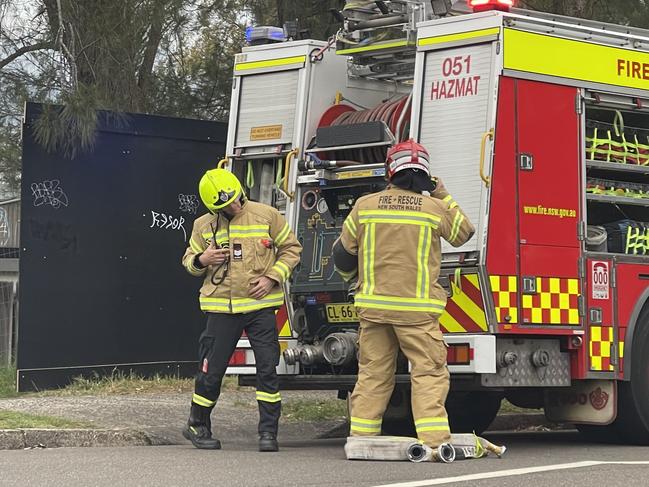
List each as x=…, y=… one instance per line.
x=482, y=5
x=322, y=298
x=459, y=354
x=238, y=357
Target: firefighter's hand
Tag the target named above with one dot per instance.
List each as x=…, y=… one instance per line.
x=260, y=287
x=440, y=190
x=213, y=256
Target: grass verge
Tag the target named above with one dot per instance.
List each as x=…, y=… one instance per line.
x=507, y=407
x=314, y=409
x=14, y=420
x=120, y=383
x=8, y=382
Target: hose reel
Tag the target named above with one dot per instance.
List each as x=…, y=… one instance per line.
x=394, y=115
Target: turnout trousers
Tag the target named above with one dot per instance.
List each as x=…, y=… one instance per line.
x=426, y=351
x=216, y=345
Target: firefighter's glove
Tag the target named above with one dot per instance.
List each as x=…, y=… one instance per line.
x=214, y=256
x=440, y=190
x=260, y=287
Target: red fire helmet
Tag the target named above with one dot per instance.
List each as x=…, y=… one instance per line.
x=407, y=155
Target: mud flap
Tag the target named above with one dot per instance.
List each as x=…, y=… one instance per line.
x=585, y=402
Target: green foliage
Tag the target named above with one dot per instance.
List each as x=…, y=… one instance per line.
x=122, y=383
x=167, y=57
x=7, y=382
x=194, y=77
x=71, y=128
x=131, y=383
x=313, y=409
x=10, y=153
x=624, y=12
x=312, y=15
x=15, y=420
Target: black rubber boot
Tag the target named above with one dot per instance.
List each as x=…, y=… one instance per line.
x=199, y=429
x=268, y=441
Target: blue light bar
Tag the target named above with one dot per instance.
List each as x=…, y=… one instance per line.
x=264, y=34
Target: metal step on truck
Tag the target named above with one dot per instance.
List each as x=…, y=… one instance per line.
x=539, y=127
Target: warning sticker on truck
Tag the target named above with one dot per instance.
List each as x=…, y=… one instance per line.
x=599, y=279
x=267, y=132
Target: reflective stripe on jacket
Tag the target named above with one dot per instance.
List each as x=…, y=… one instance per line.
x=396, y=235
x=261, y=244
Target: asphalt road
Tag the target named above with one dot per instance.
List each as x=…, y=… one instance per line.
x=542, y=459
x=561, y=458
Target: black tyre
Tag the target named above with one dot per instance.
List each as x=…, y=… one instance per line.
x=632, y=422
x=467, y=412
x=398, y=420
x=472, y=411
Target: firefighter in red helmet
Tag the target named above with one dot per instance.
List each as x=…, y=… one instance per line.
x=391, y=241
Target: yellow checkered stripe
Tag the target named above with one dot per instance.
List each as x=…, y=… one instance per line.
x=268, y=396
x=504, y=290
x=365, y=426
x=599, y=348
x=556, y=302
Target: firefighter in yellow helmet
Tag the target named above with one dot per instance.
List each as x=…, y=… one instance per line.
x=244, y=251
x=391, y=239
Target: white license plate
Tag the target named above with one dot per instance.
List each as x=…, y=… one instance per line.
x=341, y=313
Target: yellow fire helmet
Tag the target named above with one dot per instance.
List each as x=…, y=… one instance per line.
x=218, y=188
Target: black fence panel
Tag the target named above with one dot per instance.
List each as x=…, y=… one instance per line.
x=102, y=234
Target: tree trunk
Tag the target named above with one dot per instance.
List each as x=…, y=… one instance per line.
x=152, y=44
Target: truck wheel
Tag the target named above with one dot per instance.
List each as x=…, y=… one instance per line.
x=472, y=411
x=632, y=422
x=397, y=419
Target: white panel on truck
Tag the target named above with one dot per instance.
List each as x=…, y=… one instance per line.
x=456, y=97
x=267, y=103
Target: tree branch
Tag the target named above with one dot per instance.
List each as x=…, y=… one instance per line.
x=24, y=50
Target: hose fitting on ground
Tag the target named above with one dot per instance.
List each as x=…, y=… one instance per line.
x=444, y=453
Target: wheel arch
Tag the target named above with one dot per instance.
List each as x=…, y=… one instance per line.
x=641, y=304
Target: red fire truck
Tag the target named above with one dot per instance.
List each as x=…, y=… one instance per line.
x=539, y=127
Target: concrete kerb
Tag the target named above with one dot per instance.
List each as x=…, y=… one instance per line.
x=19, y=439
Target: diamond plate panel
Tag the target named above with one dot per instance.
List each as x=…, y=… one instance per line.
x=523, y=373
